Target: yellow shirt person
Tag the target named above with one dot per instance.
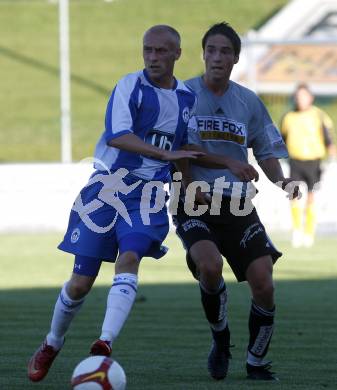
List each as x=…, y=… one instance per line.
x=307, y=131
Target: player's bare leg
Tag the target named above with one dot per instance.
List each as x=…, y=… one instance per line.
x=69, y=302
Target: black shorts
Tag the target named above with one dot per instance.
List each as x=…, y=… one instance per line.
x=308, y=171
x=240, y=239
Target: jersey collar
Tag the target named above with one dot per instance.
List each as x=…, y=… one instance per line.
x=175, y=84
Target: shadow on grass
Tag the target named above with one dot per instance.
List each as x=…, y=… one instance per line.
x=165, y=342
x=51, y=69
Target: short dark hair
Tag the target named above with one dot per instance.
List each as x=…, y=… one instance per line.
x=225, y=29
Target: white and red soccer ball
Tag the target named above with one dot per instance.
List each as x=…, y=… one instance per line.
x=98, y=373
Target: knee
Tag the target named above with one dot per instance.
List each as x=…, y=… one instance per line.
x=263, y=290
x=210, y=268
x=78, y=288
x=208, y=260
x=127, y=262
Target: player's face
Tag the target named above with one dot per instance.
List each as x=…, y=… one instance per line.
x=219, y=57
x=303, y=99
x=160, y=51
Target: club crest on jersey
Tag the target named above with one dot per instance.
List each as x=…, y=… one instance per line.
x=186, y=114
x=75, y=235
x=160, y=139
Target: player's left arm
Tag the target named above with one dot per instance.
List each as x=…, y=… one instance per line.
x=240, y=169
x=328, y=134
x=192, y=142
x=273, y=170
x=268, y=147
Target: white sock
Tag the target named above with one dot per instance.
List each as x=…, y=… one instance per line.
x=120, y=300
x=64, y=312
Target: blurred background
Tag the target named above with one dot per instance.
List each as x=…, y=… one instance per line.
x=106, y=42
x=284, y=43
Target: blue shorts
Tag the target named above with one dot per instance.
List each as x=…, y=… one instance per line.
x=95, y=228
x=135, y=242
x=86, y=266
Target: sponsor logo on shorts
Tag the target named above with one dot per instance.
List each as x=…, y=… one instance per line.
x=75, y=235
x=250, y=233
x=193, y=223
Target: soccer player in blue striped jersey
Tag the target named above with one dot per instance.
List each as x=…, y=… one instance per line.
x=145, y=128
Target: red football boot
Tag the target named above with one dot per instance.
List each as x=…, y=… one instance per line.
x=41, y=362
x=100, y=348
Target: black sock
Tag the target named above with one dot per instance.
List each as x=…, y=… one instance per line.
x=214, y=304
x=222, y=337
x=215, y=308
x=261, y=325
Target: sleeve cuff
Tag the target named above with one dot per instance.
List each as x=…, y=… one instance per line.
x=265, y=157
x=112, y=136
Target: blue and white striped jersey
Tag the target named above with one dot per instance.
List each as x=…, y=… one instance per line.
x=157, y=116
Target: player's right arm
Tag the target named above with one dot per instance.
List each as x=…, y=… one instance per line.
x=120, y=118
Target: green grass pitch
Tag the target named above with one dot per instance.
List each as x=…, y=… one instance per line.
x=105, y=44
x=165, y=342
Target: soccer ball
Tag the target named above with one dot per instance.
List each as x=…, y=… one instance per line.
x=98, y=373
